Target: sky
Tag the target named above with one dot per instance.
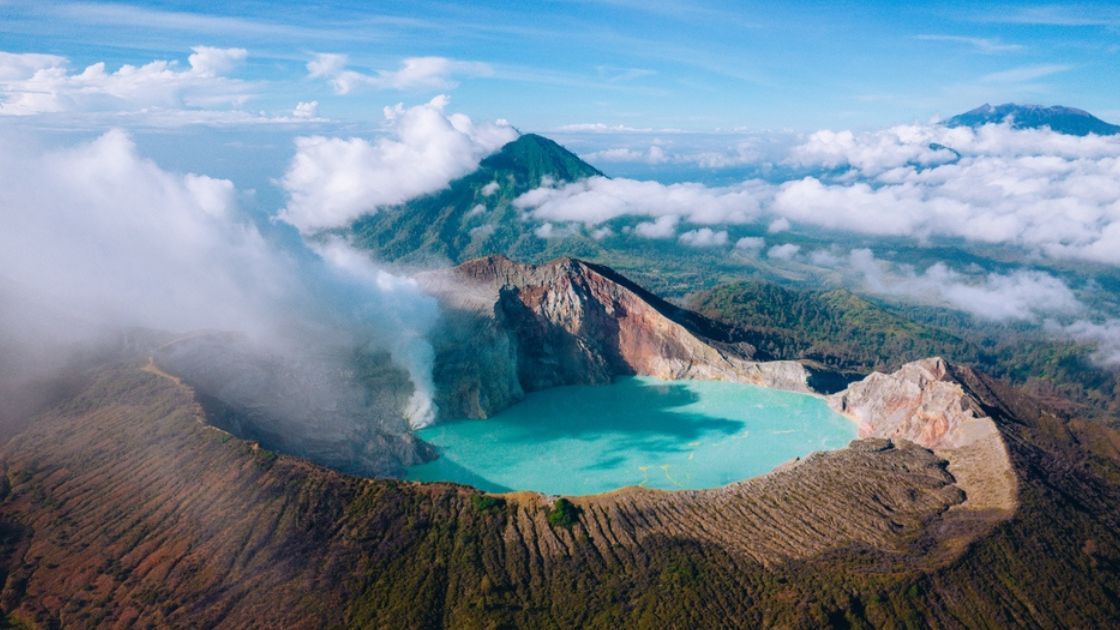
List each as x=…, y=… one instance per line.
x=641, y=64
x=209, y=141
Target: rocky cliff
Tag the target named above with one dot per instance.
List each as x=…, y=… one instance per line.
x=928, y=402
x=123, y=507
x=511, y=328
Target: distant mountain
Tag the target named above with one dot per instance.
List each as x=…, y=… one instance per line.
x=475, y=215
x=1067, y=120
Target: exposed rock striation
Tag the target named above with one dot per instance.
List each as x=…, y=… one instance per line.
x=928, y=403
x=515, y=327
x=121, y=507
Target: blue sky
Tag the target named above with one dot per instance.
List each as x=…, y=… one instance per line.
x=181, y=133
x=646, y=64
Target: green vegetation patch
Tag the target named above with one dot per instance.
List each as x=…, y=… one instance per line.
x=487, y=503
x=564, y=513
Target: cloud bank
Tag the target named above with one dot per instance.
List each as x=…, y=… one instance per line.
x=333, y=181
x=596, y=200
x=33, y=84
x=1021, y=295
x=1047, y=193
x=97, y=238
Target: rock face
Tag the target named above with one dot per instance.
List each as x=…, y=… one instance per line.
x=339, y=411
x=926, y=402
x=513, y=328
x=124, y=508
x=920, y=402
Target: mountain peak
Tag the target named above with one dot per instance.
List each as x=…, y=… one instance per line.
x=1067, y=120
x=476, y=215
x=535, y=157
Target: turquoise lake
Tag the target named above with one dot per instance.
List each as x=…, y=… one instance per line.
x=634, y=432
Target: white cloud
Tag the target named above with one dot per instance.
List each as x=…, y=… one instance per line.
x=605, y=128
x=653, y=155
x=1049, y=193
x=490, y=189
x=111, y=239
x=598, y=199
x=549, y=230
x=1104, y=335
x=662, y=228
x=332, y=181
x=742, y=152
x=17, y=66
x=873, y=152
x=750, y=243
x=704, y=237
x=783, y=252
x=33, y=84
x=602, y=233
x=306, y=109
x=1052, y=193
x=207, y=61
x=415, y=73
x=326, y=65
x=982, y=44
x=830, y=258
x=483, y=231
x=1020, y=295
x=113, y=236
x=781, y=224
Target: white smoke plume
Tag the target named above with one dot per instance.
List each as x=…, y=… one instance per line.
x=98, y=238
x=408, y=322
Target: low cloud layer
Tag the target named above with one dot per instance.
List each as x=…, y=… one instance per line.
x=1021, y=295
x=97, y=238
x=1048, y=193
x=598, y=199
x=704, y=237
x=1104, y=335
x=333, y=181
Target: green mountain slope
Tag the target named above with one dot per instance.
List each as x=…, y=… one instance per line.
x=838, y=327
x=475, y=215
x=850, y=333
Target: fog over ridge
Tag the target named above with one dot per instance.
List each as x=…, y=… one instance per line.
x=98, y=238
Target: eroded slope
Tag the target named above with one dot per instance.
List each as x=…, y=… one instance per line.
x=511, y=328
x=123, y=507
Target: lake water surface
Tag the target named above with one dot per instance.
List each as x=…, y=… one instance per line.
x=637, y=431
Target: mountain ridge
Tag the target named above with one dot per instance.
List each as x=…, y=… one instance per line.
x=1061, y=119
x=474, y=215
x=120, y=489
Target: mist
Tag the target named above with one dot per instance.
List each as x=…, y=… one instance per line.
x=98, y=240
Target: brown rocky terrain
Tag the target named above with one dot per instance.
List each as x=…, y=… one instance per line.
x=965, y=504
x=925, y=402
x=124, y=507
x=512, y=328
